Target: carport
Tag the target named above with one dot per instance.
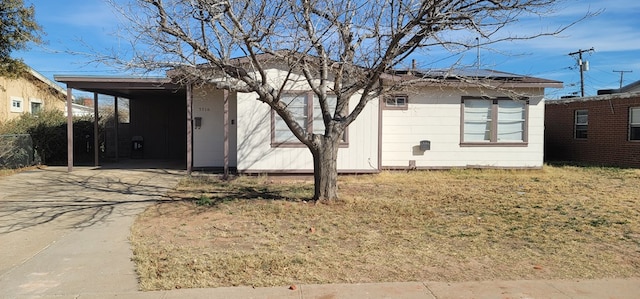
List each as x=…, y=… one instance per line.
x=157, y=114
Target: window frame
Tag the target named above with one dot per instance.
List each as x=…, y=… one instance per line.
x=493, y=140
x=395, y=97
x=576, y=124
x=35, y=101
x=13, y=108
x=633, y=125
x=295, y=143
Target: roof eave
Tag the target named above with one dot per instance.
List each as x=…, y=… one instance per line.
x=485, y=83
x=84, y=82
x=604, y=97
x=119, y=86
x=109, y=79
x=45, y=80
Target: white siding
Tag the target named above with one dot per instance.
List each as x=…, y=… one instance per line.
x=208, y=140
x=255, y=153
x=434, y=114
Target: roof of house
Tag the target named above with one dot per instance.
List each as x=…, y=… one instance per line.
x=45, y=80
x=458, y=76
x=465, y=75
x=80, y=110
x=602, y=97
x=130, y=86
x=631, y=90
x=125, y=87
x=635, y=86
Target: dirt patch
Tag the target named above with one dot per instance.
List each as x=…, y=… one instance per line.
x=459, y=225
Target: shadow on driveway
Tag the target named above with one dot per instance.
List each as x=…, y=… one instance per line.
x=79, y=199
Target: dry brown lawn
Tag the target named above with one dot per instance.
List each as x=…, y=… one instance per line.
x=559, y=222
x=12, y=171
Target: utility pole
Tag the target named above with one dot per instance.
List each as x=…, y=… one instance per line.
x=583, y=67
x=622, y=75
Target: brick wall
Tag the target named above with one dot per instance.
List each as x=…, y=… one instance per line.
x=607, y=142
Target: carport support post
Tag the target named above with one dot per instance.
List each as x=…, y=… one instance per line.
x=226, y=134
x=95, y=129
x=189, y=130
x=69, y=130
x=116, y=123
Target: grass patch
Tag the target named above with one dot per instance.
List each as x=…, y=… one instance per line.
x=12, y=171
x=561, y=222
x=7, y=172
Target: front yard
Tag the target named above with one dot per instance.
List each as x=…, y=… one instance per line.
x=457, y=225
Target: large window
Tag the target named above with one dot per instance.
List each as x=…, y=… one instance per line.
x=306, y=110
x=634, y=123
x=581, y=124
x=498, y=121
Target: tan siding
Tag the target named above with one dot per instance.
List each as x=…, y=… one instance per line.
x=27, y=88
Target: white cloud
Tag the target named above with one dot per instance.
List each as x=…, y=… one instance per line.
x=615, y=29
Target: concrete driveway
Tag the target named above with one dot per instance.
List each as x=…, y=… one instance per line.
x=67, y=233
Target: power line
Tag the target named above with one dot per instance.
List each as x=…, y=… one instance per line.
x=622, y=75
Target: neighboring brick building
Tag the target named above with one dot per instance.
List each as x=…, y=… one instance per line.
x=601, y=130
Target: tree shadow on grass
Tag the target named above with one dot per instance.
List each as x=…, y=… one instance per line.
x=217, y=191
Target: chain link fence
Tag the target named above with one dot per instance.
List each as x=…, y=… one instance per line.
x=17, y=150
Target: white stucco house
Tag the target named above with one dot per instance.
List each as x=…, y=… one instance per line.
x=469, y=118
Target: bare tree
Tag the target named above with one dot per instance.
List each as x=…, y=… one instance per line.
x=339, y=49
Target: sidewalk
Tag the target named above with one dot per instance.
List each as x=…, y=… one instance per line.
x=525, y=289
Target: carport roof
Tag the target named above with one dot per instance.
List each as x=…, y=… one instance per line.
x=125, y=87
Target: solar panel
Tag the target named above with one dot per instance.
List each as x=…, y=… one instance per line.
x=467, y=73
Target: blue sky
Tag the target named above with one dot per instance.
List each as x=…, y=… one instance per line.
x=78, y=25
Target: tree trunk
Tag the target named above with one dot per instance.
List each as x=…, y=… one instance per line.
x=325, y=171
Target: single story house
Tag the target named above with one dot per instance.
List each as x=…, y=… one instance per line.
x=30, y=92
x=601, y=130
x=453, y=123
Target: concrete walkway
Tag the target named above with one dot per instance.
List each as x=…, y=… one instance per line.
x=65, y=235
x=534, y=289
